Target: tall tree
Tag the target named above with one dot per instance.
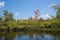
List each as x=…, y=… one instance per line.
x=8, y=16
x=0, y=18
x=5, y=14
x=57, y=8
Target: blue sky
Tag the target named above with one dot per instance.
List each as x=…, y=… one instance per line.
x=23, y=9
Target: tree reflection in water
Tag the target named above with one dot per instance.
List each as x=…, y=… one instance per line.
x=29, y=36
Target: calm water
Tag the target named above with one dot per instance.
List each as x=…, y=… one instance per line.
x=29, y=36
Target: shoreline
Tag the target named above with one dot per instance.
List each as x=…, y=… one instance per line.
x=25, y=29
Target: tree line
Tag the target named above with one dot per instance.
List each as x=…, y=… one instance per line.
x=8, y=22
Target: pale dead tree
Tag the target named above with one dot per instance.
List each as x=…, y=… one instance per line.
x=37, y=12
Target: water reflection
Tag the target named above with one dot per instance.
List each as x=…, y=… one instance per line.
x=29, y=36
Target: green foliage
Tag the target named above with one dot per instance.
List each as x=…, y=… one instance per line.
x=57, y=8
x=9, y=22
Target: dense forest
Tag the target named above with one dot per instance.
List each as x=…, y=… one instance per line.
x=8, y=23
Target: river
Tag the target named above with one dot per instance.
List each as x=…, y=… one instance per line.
x=29, y=35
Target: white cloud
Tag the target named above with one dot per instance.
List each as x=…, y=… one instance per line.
x=46, y=16
x=52, y=5
x=24, y=18
x=2, y=4
x=17, y=15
